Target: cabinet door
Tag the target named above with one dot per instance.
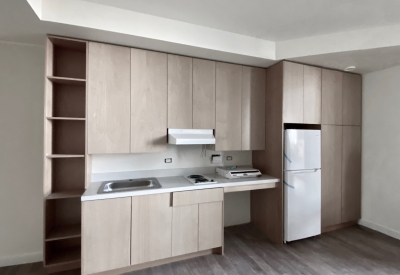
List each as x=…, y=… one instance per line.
x=331, y=169
x=148, y=101
x=293, y=92
x=351, y=174
x=106, y=235
x=185, y=229
x=312, y=95
x=210, y=225
x=253, y=108
x=179, y=92
x=151, y=228
x=228, y=132
x=352, y=99
x=109, y=95
x=331, y=97
x=203, y=94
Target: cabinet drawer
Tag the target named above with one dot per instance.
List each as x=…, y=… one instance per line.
x=197, y=196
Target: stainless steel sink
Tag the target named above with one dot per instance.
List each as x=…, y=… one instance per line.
x=128, y=185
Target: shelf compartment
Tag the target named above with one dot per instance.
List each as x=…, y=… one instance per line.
x=67, y=80
x=68, y=101
x=68, y=176
x=65, y=251
x=66, y=194
x=68, y=137
x=64, y=232
x=65, y=118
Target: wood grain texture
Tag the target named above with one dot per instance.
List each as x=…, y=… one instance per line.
x=253, y=108
x=250, y=187
x=203, y=94
x=351, y=174
x=293, y=89
x=197, y=196
x=148, y=101
x=267, y=205
x=180, y=93
x=109, y=96
x=332, y=97
x=185, y=229
x=312, y=95
x=106, y=231
x=331, y=175
x=228, y=132
x=210, y=225
x=151, y=228
x=352, y=97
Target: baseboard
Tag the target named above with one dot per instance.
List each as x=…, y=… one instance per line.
x=387, y=231
x=22, y=259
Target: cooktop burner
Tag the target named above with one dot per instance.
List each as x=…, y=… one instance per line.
x=200, y=179
x=195, y=177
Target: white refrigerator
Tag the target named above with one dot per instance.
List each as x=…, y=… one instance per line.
x=302, y=184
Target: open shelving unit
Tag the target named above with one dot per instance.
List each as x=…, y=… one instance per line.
x=65, y=156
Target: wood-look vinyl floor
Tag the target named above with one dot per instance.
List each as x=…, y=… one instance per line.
x=354, y=250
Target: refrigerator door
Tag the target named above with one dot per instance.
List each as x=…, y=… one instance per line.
x=302, y=204
x=302, y=149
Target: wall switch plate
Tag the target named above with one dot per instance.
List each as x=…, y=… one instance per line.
x=229, y=158
x=168, y=160
x=216, y=159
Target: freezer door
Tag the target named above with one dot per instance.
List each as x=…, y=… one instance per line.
x=302, y=149
x=302, y=204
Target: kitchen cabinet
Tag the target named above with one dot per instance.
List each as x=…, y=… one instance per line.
x=203, y=94
x=108, y=99
x=228, y=131
x=180, y=106
x=151, y=228
x=106, y=234
x=331, y=174
x=210, y=223
x=185, y=229
x=332, y=103
x=352, y=89
x=148, y=127
x=312, y=95
x=253, y=108
x=293, y=90
x=351, y=174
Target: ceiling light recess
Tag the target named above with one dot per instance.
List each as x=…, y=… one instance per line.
x=350, y=68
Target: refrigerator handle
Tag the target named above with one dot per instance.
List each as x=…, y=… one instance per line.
x=304, y=171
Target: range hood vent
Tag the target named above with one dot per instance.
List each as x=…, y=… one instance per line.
x=190, y=136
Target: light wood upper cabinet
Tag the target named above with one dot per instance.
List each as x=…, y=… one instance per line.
x=203, y=94
x=332, y=97
x=151, y=228
x=352, y=99
x=228, y=129
x=351, y=174
x=185, y=229
x=148, y=101
x=106, y=234
x=180, y=92
x=312, y=95
x=108, y=99
x=253, y=108
x=293, y=100
x=210, y=225
x=331, y=169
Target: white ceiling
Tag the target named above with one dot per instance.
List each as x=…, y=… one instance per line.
x=274, y=20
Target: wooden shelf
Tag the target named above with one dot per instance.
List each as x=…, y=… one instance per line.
x=67, y=80
x=66, y=194
x=64, y=232
x=64, y=156
x=66, y=255
x=66, y=118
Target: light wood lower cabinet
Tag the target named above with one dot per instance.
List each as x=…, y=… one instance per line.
x=210, y=223
x=151, y=228
x=106, y=235
x=185, y=229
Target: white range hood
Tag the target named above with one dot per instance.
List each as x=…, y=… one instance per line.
x=190, y=136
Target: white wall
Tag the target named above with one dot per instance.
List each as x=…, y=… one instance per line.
x=381, y=151
x=21, y=153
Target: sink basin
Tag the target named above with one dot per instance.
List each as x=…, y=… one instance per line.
x=128, y=185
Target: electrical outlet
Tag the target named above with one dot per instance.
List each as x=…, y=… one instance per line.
x=229, y=158
x=216, y=159
x=168, y=160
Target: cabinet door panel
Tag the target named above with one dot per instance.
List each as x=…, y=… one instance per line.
x=228, y=107
x=109, y=97
x=203, y=94
x=331, y=169
x=185, y=229
x=331, y=97
x=106, y=235
x=312, y=95
x=351, y=174
x=352, y=99
x=151, y=228
x=253, y=108
x=180, y=92
x=293, y=100
x=210, y=225
x=148, y=101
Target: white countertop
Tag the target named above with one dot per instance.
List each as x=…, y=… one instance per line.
x=175, y=184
